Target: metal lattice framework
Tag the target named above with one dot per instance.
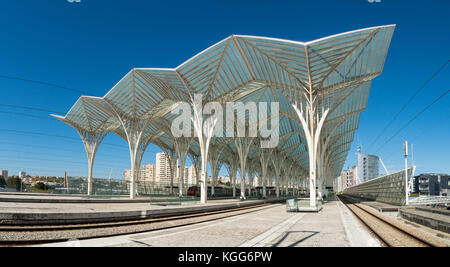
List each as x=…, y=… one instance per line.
x=388, y=189
x=321, y=87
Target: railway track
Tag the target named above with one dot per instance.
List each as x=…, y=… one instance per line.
x=41, y=234
x=389, y=231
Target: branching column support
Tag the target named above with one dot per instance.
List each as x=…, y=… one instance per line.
x=182, y=145
x=243, y=145
x=214, y=156
x=277, y=161
x=323, y=155
x=204, y=131
x=264, y=158
x=91, y=142
x=251, y=175
x=232, y=168
x=312, y=133
x=134, y=130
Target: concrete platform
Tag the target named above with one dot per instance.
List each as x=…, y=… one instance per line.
x=334, y=226
x=20, y=213
x=430, y=217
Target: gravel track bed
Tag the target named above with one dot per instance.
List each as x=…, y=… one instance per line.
x=391, y=231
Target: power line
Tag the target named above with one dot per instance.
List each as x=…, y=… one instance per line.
x=51, y=135
x=432, y=127
x=62, y=154
x=408, y=102
x=27, y=115
x=413, y=119
x=42, y=83
x=31, y=108
x=62, y=136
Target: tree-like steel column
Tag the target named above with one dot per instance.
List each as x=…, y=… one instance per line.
x=243, y=145
x=312, y=133
x=277, y=168
x=232, y=168
x=214, y=156
x=264, y=158
x=204, y=131
x=91, y=142
x=252, y=166
x=182, y=145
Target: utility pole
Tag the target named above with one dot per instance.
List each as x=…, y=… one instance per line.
x=405, y=152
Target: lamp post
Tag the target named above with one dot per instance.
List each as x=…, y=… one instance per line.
x=405, y=152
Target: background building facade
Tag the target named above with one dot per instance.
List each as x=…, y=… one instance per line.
x=163, y=173
x=368, y=167
x=146, y=174
x=431, y=184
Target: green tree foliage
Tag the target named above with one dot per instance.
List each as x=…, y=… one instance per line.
x=2, y=182
x=13, y=182
x=40, y=186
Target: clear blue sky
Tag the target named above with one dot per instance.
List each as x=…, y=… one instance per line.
x=89, y=46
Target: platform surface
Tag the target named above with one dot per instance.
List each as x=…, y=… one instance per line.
x=333, y=226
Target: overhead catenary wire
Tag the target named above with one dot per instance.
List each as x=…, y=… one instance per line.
x=2, y=76
x=31, y=108
x=435, y=74
x=413, y=119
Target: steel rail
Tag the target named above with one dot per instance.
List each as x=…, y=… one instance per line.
x=367, y=217
x=63, y=232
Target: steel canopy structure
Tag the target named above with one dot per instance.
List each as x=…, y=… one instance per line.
x=321, y=87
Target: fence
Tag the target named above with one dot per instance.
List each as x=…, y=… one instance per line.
x=388, y=189
x=114, y=187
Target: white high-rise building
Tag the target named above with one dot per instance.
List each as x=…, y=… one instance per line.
x=5, y=174
x=368, y=167
x=22, y=175
x=192, y=176
x=163, y=169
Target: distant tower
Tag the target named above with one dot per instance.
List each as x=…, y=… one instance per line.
x=65, y=179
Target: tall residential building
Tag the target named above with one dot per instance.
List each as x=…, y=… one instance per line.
x=5, y=174
x=146, y=174
x=163, y=169
x=192, y=176
x=349, y=178
x=368, y=167
x=22, y=174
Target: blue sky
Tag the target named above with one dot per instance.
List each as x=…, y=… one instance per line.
x=89, y=46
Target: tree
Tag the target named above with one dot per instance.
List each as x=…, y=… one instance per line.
x=40, y=186
x=14, y=182
x=2, y=182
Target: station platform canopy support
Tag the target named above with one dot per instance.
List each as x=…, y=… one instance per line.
x=321, y=87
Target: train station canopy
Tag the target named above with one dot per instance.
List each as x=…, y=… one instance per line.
x=336, y=71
